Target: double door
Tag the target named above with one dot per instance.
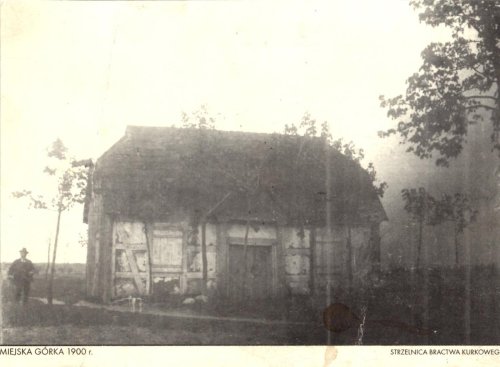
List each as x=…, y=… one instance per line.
x=250, y=275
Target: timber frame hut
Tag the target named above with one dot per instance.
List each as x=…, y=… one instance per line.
x=244, y=215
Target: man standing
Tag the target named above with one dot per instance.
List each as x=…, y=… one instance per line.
x=21, y=272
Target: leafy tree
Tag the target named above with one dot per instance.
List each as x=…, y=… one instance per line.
x=422, y=208
x=70, y=182
x=457, y=84
x=457, y=209
x=199, y=119
x=427, y=210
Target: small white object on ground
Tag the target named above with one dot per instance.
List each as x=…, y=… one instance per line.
x=201, y=298
x=188, y=301
x=44, y=300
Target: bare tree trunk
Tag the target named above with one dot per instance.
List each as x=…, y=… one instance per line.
x=456, y=248
x=425, y=273
x=425, y=290
x=48, y=261
x=245, y=246
x=52, y=265
x=148, y=246
x=413, y=275
x=312, y=261
x=419, y=248
x=467, y=297
x=467, y=254
x=204, y=260
x=349, y=259
x=328, y=229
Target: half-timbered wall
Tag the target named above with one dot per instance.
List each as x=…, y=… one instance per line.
x=130, y=259
x=165, y=258
x=297, y=260
x=194, y=261
x=159, y=257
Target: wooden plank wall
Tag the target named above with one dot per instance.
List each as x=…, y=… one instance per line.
x=224, y=233
x=94, y=227
x=106, y=247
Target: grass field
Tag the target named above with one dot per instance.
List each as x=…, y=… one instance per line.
x=395, y=299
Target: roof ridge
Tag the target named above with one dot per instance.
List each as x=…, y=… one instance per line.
x=131, y=129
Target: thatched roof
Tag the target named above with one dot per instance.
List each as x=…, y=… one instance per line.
x=155, y=172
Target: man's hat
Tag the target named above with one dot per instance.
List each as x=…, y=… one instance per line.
x=24, y=250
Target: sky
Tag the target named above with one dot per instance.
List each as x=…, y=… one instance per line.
x=83, y=71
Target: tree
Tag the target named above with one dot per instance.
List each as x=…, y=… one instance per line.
x=70, y=182
x=457, y=209
x=422, y=208
x=427, y=210
x=457, y=84
x=47, y=267
x=199, y=119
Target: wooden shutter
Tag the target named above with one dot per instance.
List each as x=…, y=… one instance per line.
x=167, y=250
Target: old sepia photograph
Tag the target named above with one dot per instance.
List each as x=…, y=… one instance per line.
x=245, y=173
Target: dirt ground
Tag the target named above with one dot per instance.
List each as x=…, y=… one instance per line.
x=38, y=323
x=400, y=307
x=114, y=335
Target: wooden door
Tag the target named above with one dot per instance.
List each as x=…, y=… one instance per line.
x=257, y=283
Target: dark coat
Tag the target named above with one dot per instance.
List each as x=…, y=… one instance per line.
x=22, y=271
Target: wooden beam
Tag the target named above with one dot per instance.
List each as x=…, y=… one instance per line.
x=106, y=276
x=252, y=241
x=199, y=275
x=184, y=263
x=166, y=269
x=135, y=270
x=279, y=273
x=133, y=247
x=214, y=208
x=113, y=261
x=204, y=260
x=312, y=261
x=149, y=278
x=128, y=274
